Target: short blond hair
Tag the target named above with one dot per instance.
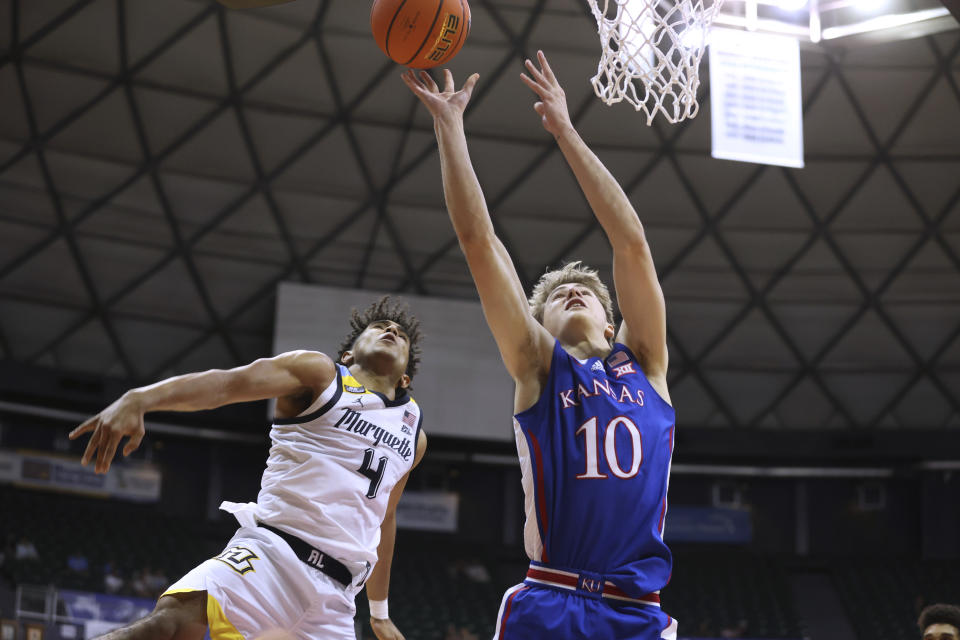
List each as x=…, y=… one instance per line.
x=572, y=272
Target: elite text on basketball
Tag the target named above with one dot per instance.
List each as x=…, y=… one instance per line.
x=451, y=26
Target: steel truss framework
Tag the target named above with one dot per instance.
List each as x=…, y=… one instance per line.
x=785, y=379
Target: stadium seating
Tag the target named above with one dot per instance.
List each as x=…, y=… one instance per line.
x=440, y=585
x=884, y=597
x=132, y=536
x=717, y=588
x=711, y=590
x=432, y=592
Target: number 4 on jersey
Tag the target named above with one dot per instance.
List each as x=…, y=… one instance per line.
x=592, y=442
x=375, y=475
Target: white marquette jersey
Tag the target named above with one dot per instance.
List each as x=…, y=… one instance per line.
x=331, y=469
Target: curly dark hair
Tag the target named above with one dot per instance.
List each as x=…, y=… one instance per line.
x=386, y=308
x=939, y=614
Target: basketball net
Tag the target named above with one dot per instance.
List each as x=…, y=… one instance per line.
x=651, y=53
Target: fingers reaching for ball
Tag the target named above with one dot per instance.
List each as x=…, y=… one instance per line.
x=441, y=104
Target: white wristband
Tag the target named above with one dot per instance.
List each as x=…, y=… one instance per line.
x=378, y=609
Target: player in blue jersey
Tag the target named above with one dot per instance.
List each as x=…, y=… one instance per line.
x=593, y=423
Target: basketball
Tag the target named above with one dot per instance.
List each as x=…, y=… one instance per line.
x=420, y=33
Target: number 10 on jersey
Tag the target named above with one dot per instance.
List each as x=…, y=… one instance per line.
x=592, y=441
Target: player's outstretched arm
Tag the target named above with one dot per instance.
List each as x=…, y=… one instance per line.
x=524, y=344
x=378, y=585
x=289, y=374
x=638, y=289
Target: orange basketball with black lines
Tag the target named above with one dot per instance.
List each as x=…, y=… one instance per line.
x=420, y=33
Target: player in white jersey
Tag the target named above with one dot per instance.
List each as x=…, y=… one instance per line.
x=345, y=438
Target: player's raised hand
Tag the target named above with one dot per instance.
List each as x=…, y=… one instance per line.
x=384, y=629
x=448, y=103
x=552, y=106
x=123, y=418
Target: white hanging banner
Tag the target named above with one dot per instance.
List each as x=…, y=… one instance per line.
x=755, y=101
x=128, y=480
x=428, y=510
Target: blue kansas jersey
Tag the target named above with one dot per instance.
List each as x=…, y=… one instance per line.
x=595, y=454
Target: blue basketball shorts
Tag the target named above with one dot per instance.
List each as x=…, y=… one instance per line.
x=532, y=611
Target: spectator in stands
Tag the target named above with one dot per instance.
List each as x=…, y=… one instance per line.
x=7, y=552
x=26, y=550
x=738, y=631
x=156, y=581
x=462, y=633
x=78, y=563
x=940, y=622
x=139, y=584
x=475, y=571
x=112, y=580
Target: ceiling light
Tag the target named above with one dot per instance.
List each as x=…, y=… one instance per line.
x=788, y=5
x=869, y=6
x=884, y=22
x=695, y=37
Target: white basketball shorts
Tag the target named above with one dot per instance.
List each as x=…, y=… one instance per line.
x=258, y=585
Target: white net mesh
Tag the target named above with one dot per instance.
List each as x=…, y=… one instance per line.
x=651, y=53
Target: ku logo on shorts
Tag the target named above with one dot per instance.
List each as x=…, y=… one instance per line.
x=240, y=559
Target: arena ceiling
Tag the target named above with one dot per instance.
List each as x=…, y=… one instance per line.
x=164, y=164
